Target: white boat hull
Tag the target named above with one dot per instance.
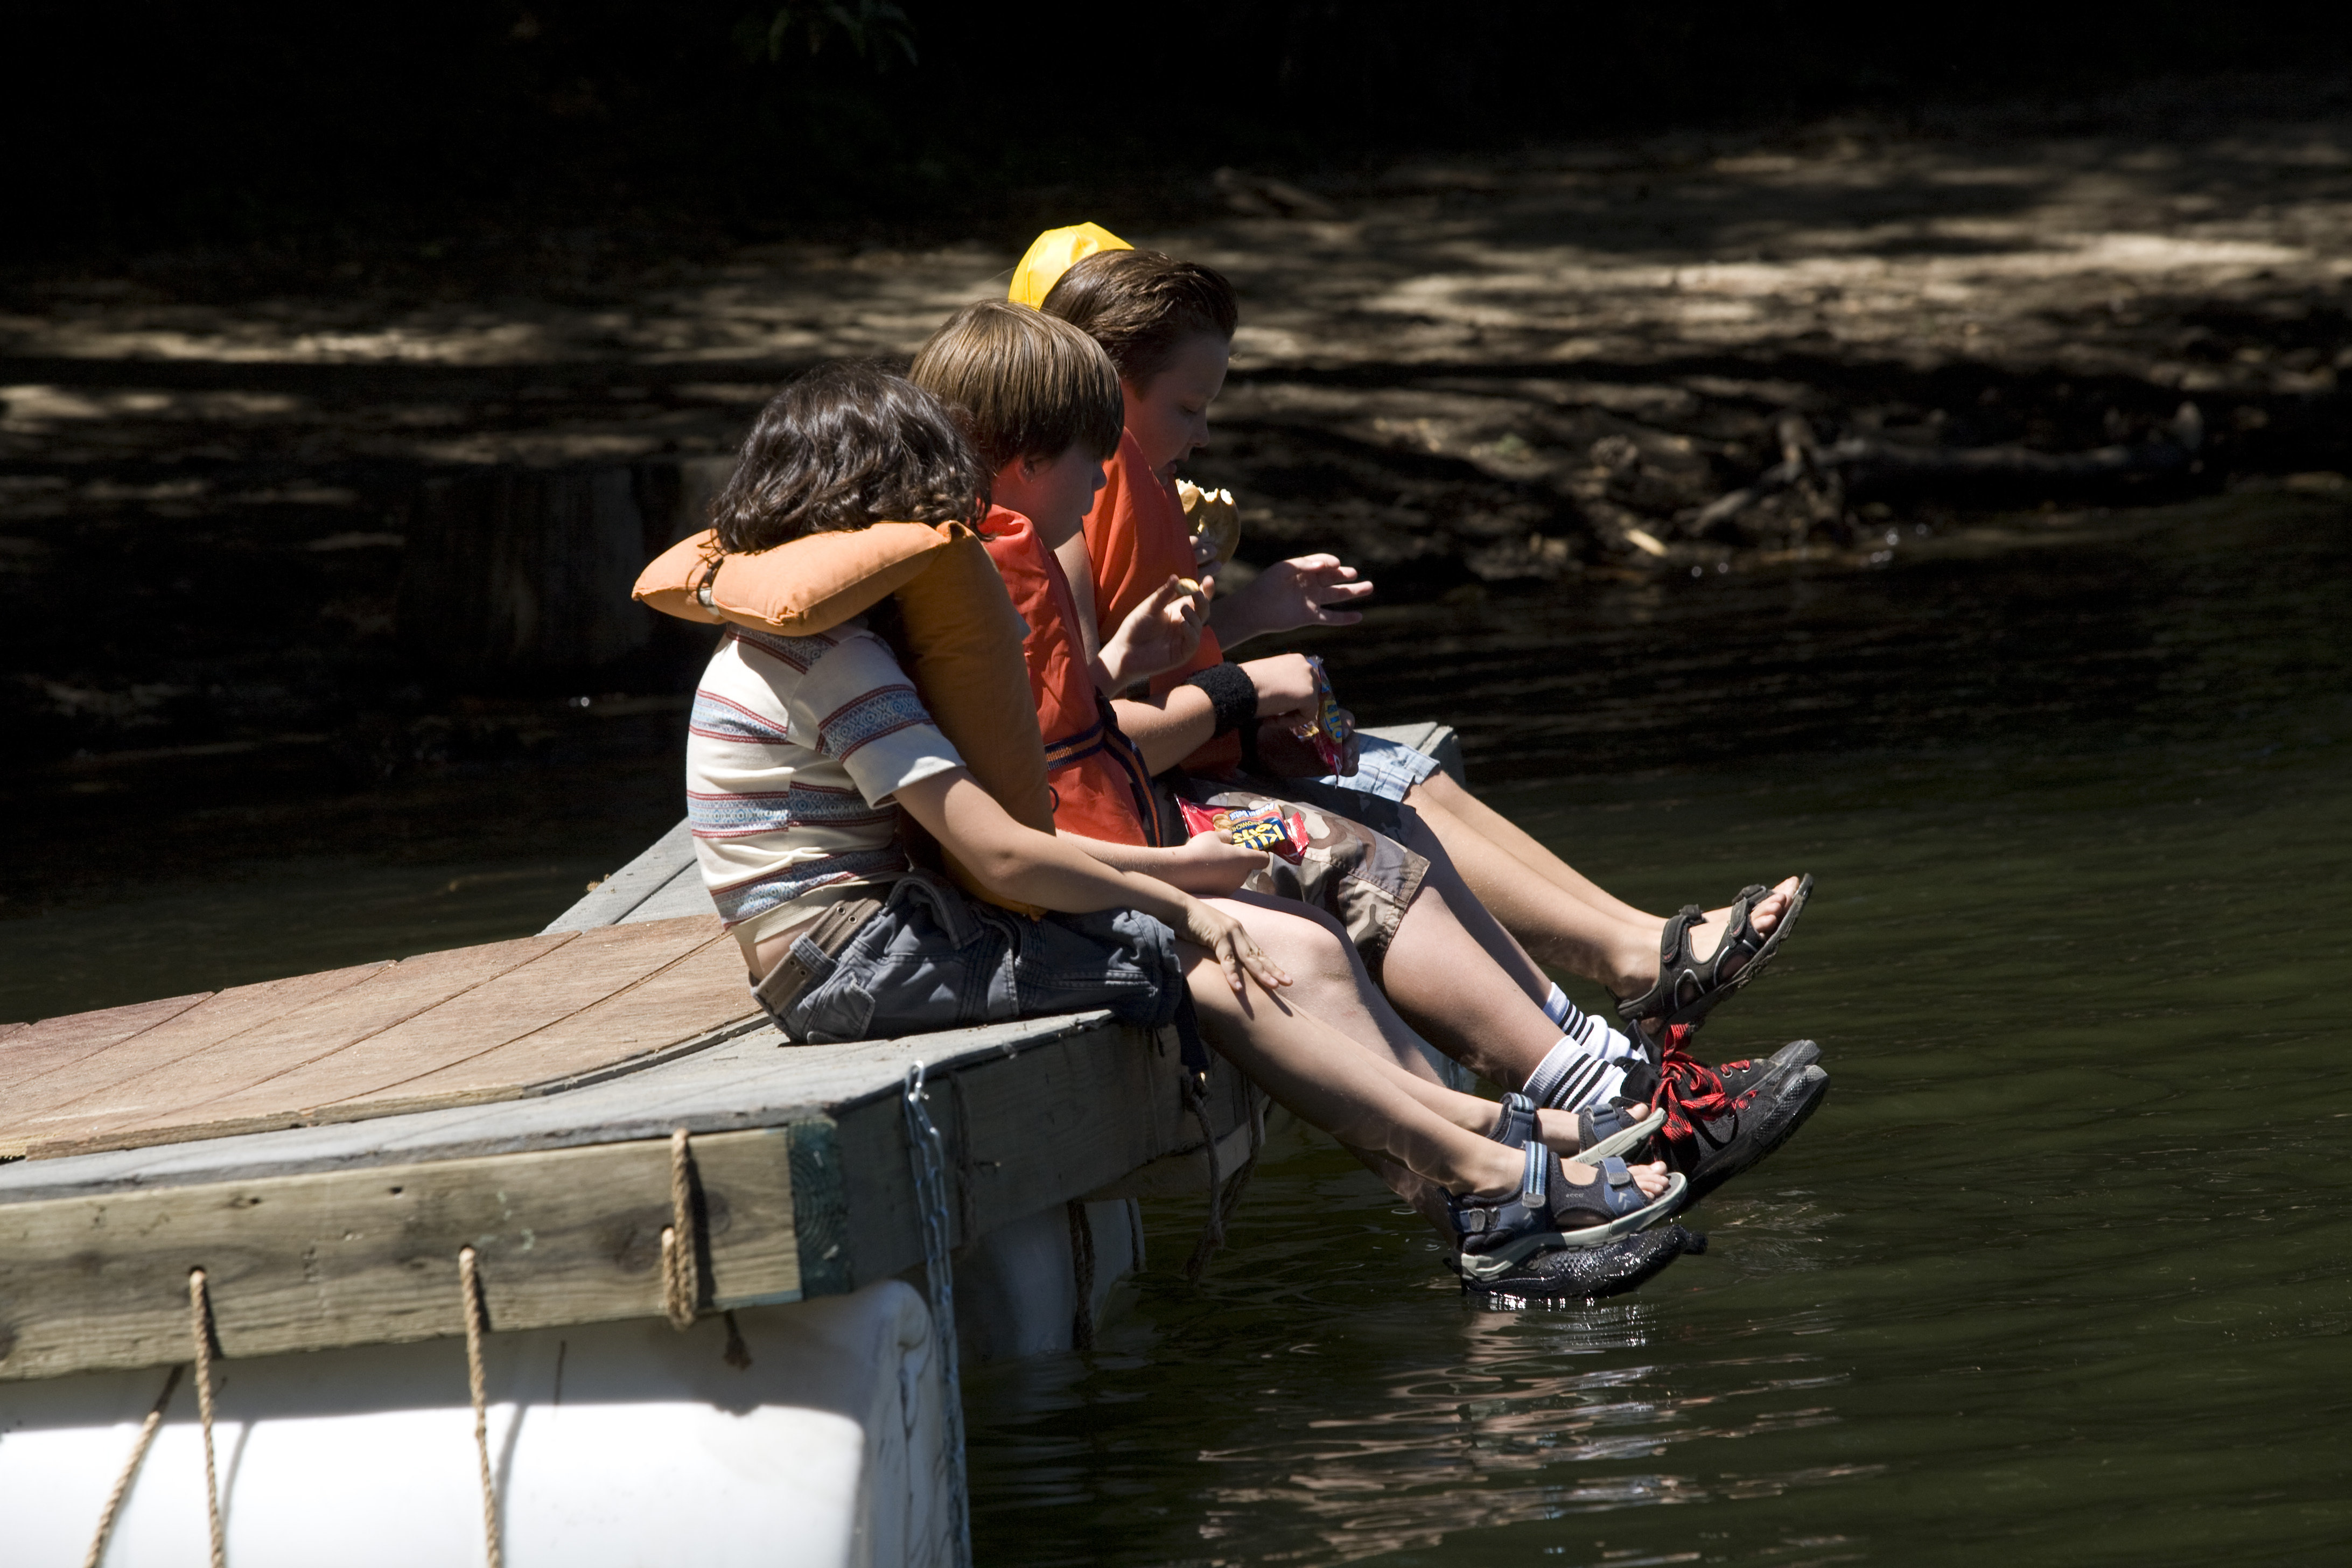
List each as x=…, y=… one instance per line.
x=613, y=1444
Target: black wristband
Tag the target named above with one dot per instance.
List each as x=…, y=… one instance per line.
x=1230, y=694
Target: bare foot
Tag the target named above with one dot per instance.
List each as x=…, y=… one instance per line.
x=1650, y=1178
x=1558, y=1131
x=1500, y=1172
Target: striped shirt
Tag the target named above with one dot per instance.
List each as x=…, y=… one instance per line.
x=795, y=754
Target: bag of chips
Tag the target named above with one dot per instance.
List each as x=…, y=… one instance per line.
x=1270, y=826
x=1329, y=733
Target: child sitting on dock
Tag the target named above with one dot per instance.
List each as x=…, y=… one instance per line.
x=809, y=756
x=1043, y=405
x=1167, y=327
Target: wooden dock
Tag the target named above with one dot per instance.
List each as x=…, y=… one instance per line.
x=323, y=1146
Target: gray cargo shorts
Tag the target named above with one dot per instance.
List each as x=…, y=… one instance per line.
x=933, y=958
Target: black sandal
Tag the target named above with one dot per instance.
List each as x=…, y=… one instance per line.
x=1690, y=987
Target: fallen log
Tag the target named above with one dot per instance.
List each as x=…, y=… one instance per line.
x=1860, y=467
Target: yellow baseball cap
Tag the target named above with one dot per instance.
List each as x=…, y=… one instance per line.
x=1055, y=252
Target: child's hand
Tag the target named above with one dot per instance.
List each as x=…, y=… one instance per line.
x=1159, y=634
x=1305, y=590
x=1286, y=687
x=1236, y=951
x=1213, y=863
x=1285, y=756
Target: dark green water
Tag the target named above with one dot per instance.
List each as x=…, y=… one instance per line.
x=2060, y=1273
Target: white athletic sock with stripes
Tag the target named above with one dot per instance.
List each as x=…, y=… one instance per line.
x=1587, y=1067
x=1556, y=1007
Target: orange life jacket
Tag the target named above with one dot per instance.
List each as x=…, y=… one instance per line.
x=1101, y=789
x=1137, y=537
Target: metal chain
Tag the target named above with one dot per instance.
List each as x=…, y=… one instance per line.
x=926, y=1153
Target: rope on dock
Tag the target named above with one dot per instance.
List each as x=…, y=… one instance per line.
x=200, y=1329
x=681, y=1240
x=131, y=1470
x=1224, y=1197
x=927, y=1157
x=1082, y=1266
x=469, y=1291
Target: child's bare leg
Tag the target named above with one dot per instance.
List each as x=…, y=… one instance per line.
x=1449, y=805
x=1321, y=1075
x=1556, y=926
x=1560, y=914
x=1329, y=981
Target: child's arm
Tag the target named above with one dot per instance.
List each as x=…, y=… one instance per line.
x=1159, y=634
x=1079, y=568
x=1304, y=591
x=1210, y=864
x=1169, y=729
x=1033, y=868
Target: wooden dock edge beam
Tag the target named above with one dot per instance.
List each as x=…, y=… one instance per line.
x=818, y=1205
x=369, y=1256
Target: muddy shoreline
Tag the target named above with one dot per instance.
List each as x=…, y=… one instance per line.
x=1496, y=377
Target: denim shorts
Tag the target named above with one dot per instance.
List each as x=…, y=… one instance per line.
x=933, y=958
x=1384, y=768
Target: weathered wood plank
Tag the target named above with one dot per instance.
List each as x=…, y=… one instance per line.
x=35, y=1051
x=614, y=899
x=277, y=1046
x=32, y=1104
x=371, y=1256
x=8, y=1030
x=683, y=894
x=696, y=991
x=561, y=983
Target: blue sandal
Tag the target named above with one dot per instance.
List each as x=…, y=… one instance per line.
x=1548, y=1211
x=1600, y=1132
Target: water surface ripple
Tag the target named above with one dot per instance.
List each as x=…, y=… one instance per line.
x=2059, y=1274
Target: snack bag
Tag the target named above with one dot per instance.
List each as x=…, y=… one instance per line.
x=1269, y=827
x=1330, y=733
x=1216, y=523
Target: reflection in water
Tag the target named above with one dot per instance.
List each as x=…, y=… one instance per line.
x=2059, y=1273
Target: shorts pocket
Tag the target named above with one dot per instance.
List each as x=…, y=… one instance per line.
x=839, y=1009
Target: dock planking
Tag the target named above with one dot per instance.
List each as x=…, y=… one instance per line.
x=306, y=1246
x=27, y=1094
x=471, y=1024
x=38, y=1051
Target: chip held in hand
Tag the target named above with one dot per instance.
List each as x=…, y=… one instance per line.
x=1270, y=826
x=1215, y=521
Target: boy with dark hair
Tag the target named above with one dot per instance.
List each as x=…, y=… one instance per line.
x=804, y=751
